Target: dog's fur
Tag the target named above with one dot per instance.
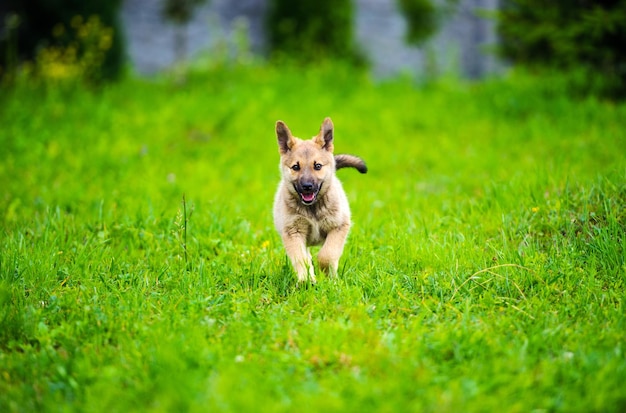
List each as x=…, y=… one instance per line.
x=310, y=206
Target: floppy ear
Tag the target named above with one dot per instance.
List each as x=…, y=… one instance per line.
x=285, y=139
x=325, y=138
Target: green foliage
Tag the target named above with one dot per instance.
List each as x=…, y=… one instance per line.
x=310, y=30
x=584, y=37
x=140, y=270
x=52, y=25
x=423, y=17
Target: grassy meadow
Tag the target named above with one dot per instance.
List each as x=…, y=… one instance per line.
x=140, y=270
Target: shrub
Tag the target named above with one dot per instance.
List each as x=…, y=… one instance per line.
x=52, y=27
x=423, y=17
x=583, y=37
x=310, y=29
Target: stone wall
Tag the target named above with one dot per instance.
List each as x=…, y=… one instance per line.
x=459, y=47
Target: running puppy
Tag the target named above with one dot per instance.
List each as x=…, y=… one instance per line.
x=310, y=206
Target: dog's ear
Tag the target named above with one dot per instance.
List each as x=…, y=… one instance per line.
x=285, y=138
x=325, y=138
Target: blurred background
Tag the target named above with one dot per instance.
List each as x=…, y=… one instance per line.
x=379, y=29
x=421, y=38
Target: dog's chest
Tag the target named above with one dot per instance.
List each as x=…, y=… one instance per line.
x=317, y=233
x=320, y=221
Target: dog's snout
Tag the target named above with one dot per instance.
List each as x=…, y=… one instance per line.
x=307, y=186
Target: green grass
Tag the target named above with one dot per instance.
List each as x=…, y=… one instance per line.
x=139, y=268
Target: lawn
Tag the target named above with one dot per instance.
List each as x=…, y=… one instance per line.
x=140, y=270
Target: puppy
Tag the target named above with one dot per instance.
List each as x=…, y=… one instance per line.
x=310, y=206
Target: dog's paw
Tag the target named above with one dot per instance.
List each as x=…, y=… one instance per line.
x=305, y=282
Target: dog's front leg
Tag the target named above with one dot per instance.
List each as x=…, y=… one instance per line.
x=298, y=253
x=331, y=251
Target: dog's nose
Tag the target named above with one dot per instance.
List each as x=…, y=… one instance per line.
x=307, y=186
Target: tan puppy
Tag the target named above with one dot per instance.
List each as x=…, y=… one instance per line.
x=310, y=206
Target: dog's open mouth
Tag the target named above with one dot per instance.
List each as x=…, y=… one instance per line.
x=308, y=196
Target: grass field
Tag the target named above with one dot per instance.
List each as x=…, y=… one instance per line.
x=140, y=271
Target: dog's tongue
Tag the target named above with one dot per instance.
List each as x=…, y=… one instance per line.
x=308, y=197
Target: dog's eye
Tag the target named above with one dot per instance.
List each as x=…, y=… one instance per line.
x=296, y=167
x=317, y=166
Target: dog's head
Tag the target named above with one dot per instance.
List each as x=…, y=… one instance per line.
x=307, y=164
